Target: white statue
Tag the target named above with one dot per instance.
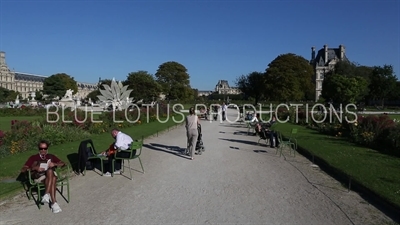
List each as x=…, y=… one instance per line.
x=68, y=94
x=17, y=97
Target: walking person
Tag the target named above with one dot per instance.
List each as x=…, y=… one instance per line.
x=192, y=133
x=224, y=108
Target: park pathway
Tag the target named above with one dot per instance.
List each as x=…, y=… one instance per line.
x=235, y=181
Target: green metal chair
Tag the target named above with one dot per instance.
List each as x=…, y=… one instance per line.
x=291, y=143
x=292, y=139
x=63, y=175
x=135, y=145
x=95, y=156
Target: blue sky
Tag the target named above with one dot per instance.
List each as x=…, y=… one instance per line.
x=214, y=40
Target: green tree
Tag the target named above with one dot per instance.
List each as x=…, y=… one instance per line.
x=342, y=89
x=289, y=77
x=58, y=84
x=349, y=69
x=7, y=95
x=38, y=95
x=382, y=83
x=143, y=85
x=174, y=80
x=252, y=85
x=395, y=94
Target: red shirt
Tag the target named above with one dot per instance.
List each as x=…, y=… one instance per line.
x=36, y=157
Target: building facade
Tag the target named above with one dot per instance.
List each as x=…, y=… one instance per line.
x=223, y=87
x=323, y=62
x=26, y=84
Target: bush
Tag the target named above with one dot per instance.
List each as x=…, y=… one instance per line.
x=24, y=136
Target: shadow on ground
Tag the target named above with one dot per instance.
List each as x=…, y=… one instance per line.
x=174, y=150
x=240, y=141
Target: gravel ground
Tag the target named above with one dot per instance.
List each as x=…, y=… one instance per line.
x=235, y=181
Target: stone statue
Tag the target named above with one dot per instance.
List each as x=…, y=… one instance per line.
x=68, y=94
x=17, y=97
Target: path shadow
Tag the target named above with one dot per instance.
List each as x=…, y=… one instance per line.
x=174, y=150
x=240, y=141
x=233, y=125
x=244, y=133
x=268, y=152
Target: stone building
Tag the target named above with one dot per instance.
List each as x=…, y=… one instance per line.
x=324, y=61
x=223, y=87
x=26, y=84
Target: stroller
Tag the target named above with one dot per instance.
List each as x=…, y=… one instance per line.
x=199, y=149
x=199, y=145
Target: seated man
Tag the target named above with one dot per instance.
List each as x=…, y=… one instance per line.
x=37, y=165
x=122, y=142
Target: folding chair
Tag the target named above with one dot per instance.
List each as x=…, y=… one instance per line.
x=291, y=143
x=135, y=145
x=63, y=175
x=88, y=147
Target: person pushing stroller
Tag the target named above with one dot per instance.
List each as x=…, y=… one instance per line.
x=191, y=124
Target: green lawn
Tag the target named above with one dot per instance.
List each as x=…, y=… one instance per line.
x=378, y=172
x=11, y=165
x=5, y=122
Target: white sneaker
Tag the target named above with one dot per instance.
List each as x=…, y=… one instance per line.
x=118, y=172
x=108, y=174
x=46, y=198
x=55, y=208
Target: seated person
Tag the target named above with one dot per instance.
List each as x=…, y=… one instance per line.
x=122, y=142
x=256, y=118
x=40, y=174
x=272, y=134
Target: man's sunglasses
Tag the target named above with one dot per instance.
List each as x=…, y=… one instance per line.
x=43, y=148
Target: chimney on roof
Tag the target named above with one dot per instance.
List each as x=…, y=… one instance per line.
x=312, y=53
x=2, y=58
x=342, y=51
x=326, y=53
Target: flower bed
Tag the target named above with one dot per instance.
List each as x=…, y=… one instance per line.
x=379, y=132
x=72, y=126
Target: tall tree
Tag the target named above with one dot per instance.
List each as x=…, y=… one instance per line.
x=289, y=78
x=174, y=80
x=342, y=89
x=383, y=82
x=252, y=85
x=7, y=95
x=58, y=84
x=143, y=85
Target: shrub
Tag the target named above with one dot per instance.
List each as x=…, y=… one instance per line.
x=24, y=136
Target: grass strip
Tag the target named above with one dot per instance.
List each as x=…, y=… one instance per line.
x=369, y=169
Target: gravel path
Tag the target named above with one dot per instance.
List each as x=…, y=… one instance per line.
x=235, y=181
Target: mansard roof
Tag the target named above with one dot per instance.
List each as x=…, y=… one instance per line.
x=333, y=53
x=29, y=77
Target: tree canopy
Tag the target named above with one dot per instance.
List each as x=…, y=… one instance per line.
x=289, y=78
x=382, y=82
x=252, y=85
x=58, y=84
x=7, y=95
x=143, y=85
x=174, y=80
x=342, y=89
